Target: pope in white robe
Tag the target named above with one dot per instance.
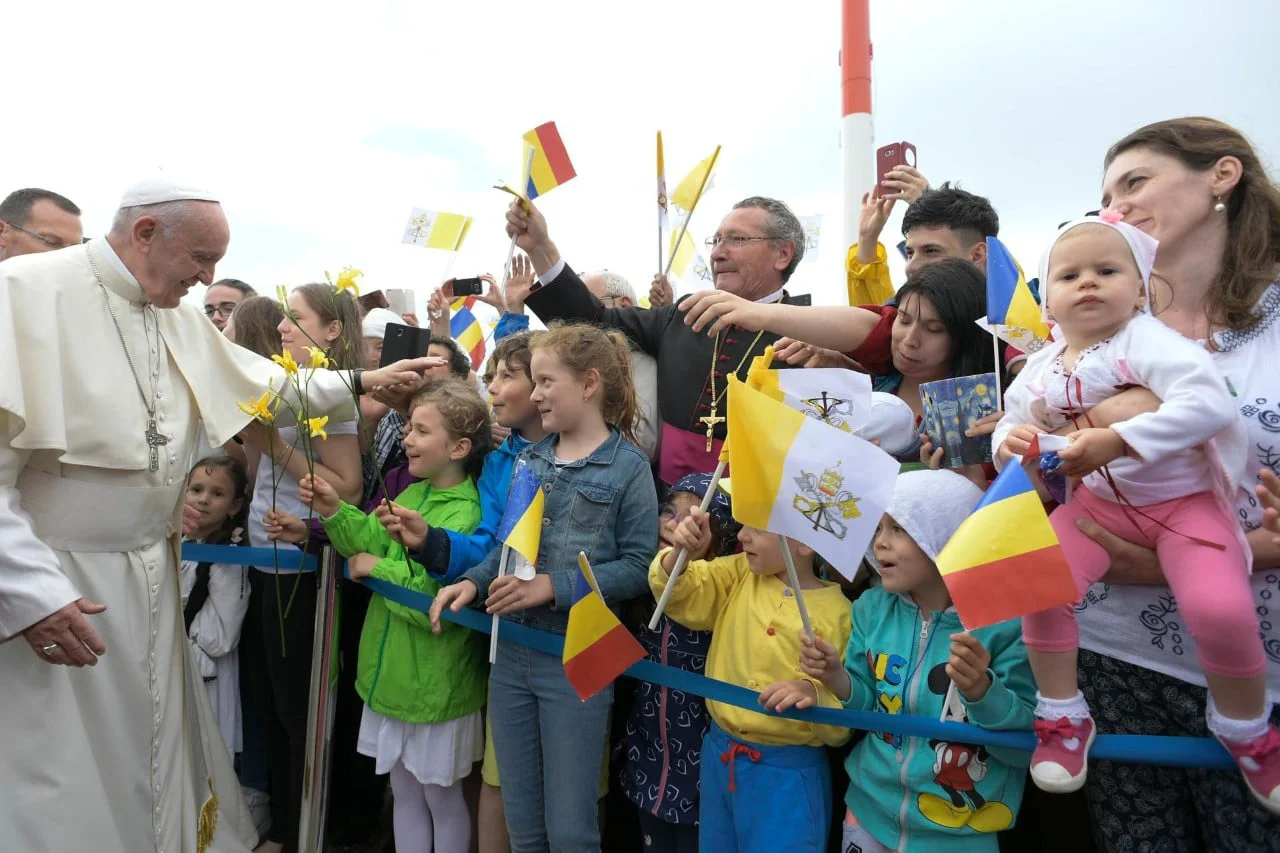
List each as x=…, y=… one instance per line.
x=124, y=755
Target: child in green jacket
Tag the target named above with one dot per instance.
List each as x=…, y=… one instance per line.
x=906, y=650
x=422, y=692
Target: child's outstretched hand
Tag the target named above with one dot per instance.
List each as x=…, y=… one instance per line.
x=316, y=493
x=968, y=666
x=405, y=526
x=694, y=533
x=821, y=660
x=283, y=527
x=782, y=695
x=1018, y=441
x=1090, y=449
x=1268, y=490
x=361, y=565
x=455, y=597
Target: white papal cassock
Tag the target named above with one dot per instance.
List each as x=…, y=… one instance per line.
x=123, y=756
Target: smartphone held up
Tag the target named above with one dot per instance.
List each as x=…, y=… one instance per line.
x=890, y=157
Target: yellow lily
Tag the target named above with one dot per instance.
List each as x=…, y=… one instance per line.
x=347, y=279
x=259, y=409
x=286, y=361
x=318, y=358
x=315, y=427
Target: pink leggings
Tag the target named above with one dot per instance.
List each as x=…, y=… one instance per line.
x=1211, y=586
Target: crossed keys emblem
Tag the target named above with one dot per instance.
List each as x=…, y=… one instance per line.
x=829, y=410
x=825, y=502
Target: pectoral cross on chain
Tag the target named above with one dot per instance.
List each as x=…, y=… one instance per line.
x=711, y=421
x=155, y=441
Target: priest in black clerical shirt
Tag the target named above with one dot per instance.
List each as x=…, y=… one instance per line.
x=753, y=253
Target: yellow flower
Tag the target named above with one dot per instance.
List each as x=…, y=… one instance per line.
x=286, y=361
x=318, y=358
x=260, y=409
x=347, y=279
x=315, y=427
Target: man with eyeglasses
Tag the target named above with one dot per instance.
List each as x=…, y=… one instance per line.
x=222, y=297
x=755, y=250
x=34, y=220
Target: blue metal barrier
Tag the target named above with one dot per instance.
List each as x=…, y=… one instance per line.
x=1205, y=753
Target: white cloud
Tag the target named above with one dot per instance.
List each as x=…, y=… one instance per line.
x=285, y=108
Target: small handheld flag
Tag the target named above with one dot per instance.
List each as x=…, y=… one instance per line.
x=435, y=230
x=465, y=329
x=692, y=186
x=1009, y=299
x=1005, y=561
x=550, y=166
x=521, y=527
x=597, y=647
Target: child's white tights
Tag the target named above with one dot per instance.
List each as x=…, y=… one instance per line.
x=427, y=815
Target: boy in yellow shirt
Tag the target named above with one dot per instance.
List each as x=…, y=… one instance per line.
x=764, y=778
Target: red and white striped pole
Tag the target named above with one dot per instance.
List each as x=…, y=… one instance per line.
x=857, y=133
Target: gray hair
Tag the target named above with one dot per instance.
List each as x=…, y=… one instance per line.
x=782, y=225
x=169, y=214
x=617, y=286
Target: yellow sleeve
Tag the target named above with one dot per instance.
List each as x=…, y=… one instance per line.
x=868, y=284
x=834, y=624
x=702, y=590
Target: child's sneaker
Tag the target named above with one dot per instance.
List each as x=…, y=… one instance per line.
x=1060, y=762
x=1259, y=763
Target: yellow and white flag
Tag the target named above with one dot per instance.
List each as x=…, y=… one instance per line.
x=833, y=395
x=687, y=260
x=433, y=229
x=694, y=184
x=801, y=478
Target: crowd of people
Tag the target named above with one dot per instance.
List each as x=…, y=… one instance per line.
x=1165, y=311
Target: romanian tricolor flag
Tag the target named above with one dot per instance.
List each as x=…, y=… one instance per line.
x=465, y=329
x=1005, y=560
x=597, y=647
x=1009, y=299
x=550, y=166
x=521, y=527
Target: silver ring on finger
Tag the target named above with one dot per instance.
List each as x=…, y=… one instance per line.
x=49, y=649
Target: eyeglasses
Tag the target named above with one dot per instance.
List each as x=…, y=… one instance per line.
x=667, y=512
x=733, y=241
x=222, y=309
x=50, y=242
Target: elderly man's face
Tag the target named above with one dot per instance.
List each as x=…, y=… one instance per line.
x=48, y=227
x=177, y=261
x=748, y=263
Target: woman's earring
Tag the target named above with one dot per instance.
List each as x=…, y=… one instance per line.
x=1219, y=206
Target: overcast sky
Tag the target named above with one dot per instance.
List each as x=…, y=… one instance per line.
x=321, y=124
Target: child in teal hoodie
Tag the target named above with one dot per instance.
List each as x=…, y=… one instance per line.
x=906, y=649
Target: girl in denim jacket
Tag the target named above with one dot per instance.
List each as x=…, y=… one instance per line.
x=599, y=498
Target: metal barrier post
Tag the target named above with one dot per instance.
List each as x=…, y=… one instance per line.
x=323, y=702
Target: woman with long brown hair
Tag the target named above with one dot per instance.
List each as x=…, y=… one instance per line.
x=1199, y=188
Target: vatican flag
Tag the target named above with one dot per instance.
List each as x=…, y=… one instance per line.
x=800, y=477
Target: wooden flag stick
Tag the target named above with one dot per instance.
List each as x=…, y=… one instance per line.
x=511, y=250
x=685, y=226
x=794, y=580
x=995, y=350
x=662, y=198
x=683, y=558
x=493, y=635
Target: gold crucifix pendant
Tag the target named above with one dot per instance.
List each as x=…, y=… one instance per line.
x=711, y=421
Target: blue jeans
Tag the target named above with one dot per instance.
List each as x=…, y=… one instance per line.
x=549, y=745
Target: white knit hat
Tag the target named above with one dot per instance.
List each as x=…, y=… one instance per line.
x=374, y=324
x=1142, y=245
x=930, y=505
x=890, y=422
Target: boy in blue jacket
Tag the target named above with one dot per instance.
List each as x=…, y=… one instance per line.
x=906, y=649
x=446, y=554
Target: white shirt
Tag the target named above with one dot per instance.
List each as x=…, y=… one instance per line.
x=1140, y=624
